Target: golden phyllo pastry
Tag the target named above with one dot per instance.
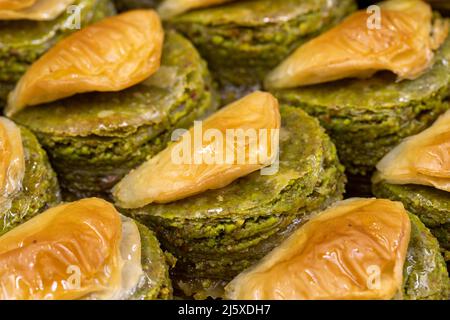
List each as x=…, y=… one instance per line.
x=204, y=158
x=354, y=250
x=12, y=161
x=15, y=4
x=170, y=8
x=110, y=55
x=41, y=10
x=402, y=40
x=421, y=159
x=73, y=251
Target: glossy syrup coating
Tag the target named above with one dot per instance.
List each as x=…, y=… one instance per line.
x=165, y=178
x=85, y=235
x=422, y=159
x=403, y=44
x=334, y=255
x=122, y=50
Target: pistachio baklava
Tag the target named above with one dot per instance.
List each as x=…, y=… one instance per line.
x=361, y=249
x=416, y=172
x=243, y=40
x=146, y=84
x=218, y=217
x=82, y=250
x=396, y=70
x=30, y=28
x=28, y=183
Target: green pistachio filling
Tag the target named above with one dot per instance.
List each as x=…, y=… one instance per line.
x=156, y=283
x=39, y=187
x=425, y=275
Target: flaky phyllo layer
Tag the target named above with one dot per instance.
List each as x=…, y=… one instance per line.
x=79, y=250
x=39, y=10
x=422, y=159
x=12, y=162
x=111, y=55
x=191, y=166
x=354, y=250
